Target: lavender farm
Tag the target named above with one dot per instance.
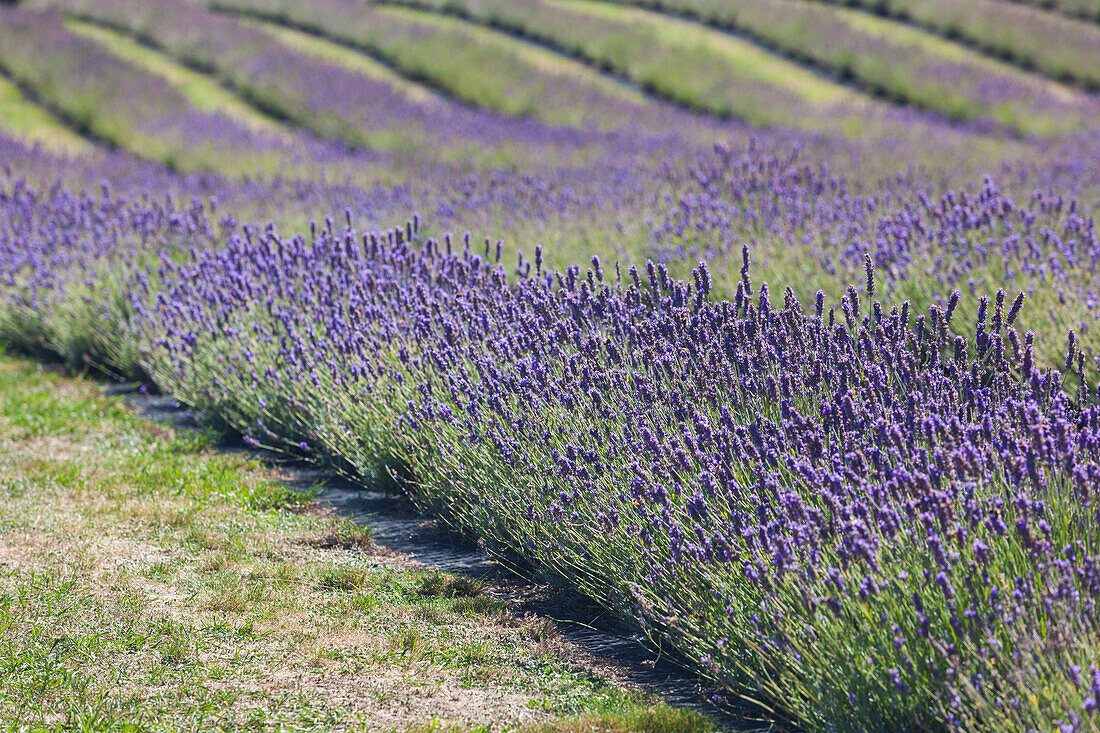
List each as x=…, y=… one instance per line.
x=751, y=350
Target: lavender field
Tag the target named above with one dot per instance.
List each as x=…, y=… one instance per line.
x=771, y=328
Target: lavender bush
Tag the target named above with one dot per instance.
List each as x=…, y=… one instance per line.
x=824, y=427
x=847, y=510
x=781, y=496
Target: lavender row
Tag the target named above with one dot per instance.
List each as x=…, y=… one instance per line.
x=844, y=507
x=339, y=104
x=689, y=68
x=121, y=105
x=483, y=67
x=812, y=228
x=1084, y=9
x=761, y=487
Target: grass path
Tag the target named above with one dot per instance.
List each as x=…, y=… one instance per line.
x=150, y=582
x=24, y=120
x=1081, y=9
x=671, y=60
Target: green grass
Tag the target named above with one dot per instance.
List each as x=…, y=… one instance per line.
x=693, y=66
x=711, y=72
x=119, y=104
x=283, y=84
x=510, y=75
x=148, y=581
x=1084, y=9
x=1008, y=114
x=662, y=719
x=24, y=120
x=744, y=58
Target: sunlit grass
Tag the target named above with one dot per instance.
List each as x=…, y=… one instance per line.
x=147, y=579
x=24, y=120
x=1057, y=46
x=1009, y=115
x=480, y=66
x=524, y=52
x=743, y=57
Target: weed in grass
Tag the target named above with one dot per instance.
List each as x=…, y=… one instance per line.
x=463, y=587
x=286, y=572
x=658, y=719
x=432, y=612
x=206, y=539
x=218, y=562
x=541, y=629
x=346, y=535
x=433, y=584
x=231, y=602
x=455, y=586
x=480, y=606
x=471, y=655
x=175, y=642
x=405, y=642
x=160, y=571
x=365, y=603
x=341, y=577
x=192, y=442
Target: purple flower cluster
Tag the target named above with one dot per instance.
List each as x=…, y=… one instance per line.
x=765, y=488
x=1045, y=245
x=71, y=266
x=864, y=506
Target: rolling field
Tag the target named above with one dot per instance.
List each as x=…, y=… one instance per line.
x=897, y=62
x=768, y=331
x=1022, y=34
